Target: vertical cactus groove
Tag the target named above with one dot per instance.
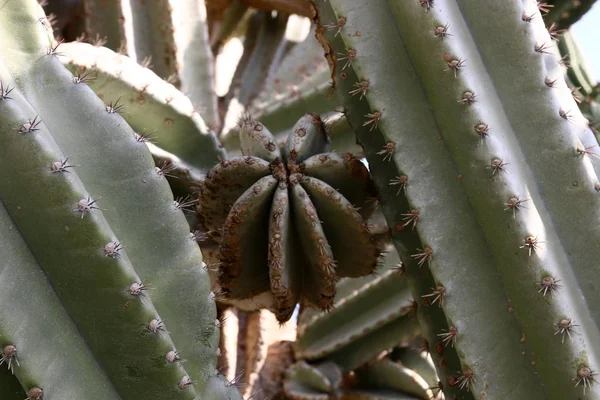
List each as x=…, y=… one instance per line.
x=110, y=228
x=475, y=158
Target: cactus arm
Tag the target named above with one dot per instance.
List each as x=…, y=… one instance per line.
x=148, y=102
x=416, y=360
x=566, y=181
x=138, y=201
x=153, y=35
x=104, y=19
x=230, y=24
x=270, y=35
x=578, y=72
x=376, y=303
x=487, y=197
x=196, y=59
x=33, y=324
x=81, y=270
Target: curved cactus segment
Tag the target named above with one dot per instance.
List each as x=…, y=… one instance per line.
x=243, y=250
x=304, y=382
x=386, y=374
x=361, y=313
x=284, y=265
x=318, y=284
x=196, y=58
x=378, y=395
x=308, y=137
x=104, y=20
x=148, y=102
x=256, y=140
x=153, y=36
x=75, y=372
x=346, y=174
x=237, y=175
x=418, y=361
x=353, y=248
x=325, y=377
x=91, y=274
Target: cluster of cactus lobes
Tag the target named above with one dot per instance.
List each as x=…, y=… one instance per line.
x=289, y=220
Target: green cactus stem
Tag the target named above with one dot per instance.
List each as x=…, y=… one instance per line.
x=564, y=13
x=158, y=112
x=481, y=181
x=104, y=20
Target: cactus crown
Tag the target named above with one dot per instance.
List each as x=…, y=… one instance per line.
x=297, y=208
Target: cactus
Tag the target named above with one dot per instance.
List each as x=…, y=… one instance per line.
x=155, y=109
x=479, y=154
x=89, y=226
x=295, y=207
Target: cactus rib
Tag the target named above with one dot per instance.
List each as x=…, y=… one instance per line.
x=486, y=141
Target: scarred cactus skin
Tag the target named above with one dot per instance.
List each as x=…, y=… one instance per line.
x=289, y=219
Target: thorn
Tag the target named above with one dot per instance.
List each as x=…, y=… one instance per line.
x=115, y=107
x=441, y=31
x=5, y=91
x=402, y=181
x=531, y=243
x=361, y=87
x=52, y=49
x=543, y=48
x=349, y=57
x=565, y=326
x=388, y=151
x=449, y=336
x=374, y=119
x=337, y=26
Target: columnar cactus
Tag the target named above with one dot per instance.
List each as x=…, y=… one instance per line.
x=102, y=292
x=289, y=221
x=482, y=162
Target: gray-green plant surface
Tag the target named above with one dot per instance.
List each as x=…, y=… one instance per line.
x=478, y=151
x=103, y=291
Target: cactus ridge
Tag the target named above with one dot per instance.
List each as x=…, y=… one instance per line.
x=110, y=230
x=308, y=225
x=509, y=236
